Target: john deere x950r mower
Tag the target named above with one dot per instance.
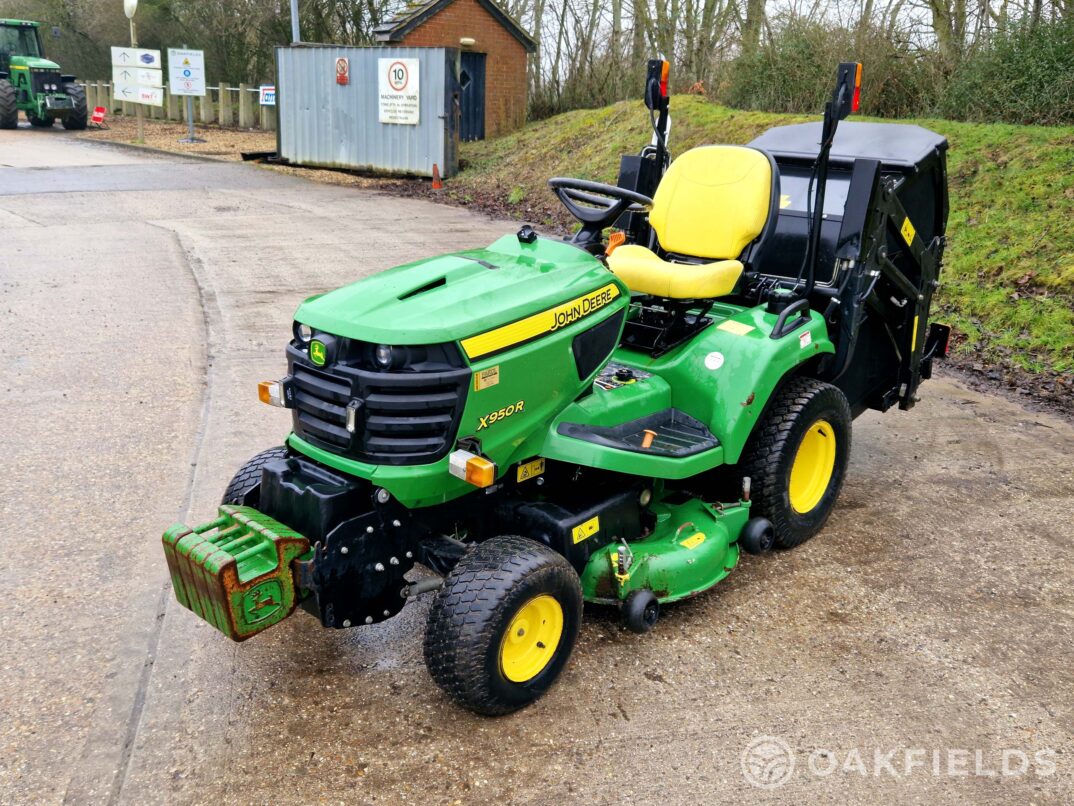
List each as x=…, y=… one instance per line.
x=548, y=422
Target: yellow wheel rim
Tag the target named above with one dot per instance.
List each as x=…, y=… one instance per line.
x=531, y=639
x=813, y=466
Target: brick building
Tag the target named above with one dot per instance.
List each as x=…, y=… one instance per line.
x=493, y=52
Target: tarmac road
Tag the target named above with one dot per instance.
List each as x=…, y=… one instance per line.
x=924, y=633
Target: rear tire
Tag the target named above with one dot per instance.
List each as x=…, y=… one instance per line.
x=502, y=627
x=77, y=118
x=797, y=459
x=249, y=476
x=9, y=110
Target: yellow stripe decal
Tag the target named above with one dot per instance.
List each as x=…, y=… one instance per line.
x=540, y=323
x=913, y=339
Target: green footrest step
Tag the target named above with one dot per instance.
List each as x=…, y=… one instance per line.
x=235, y=571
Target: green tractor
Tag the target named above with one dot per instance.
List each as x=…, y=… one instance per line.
x=609, y=420
x=30, y=82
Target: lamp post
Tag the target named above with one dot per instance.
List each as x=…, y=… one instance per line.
x=296, y=33
x=129, y=7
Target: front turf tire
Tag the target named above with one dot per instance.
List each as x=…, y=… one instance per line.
x=248, y=478
x=9, y=110
x=797, y=459
x=502, y=627
x=77, y=118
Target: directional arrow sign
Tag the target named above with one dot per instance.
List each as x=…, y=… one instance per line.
x=137, y=77
x=136, y=57
x=133, y=75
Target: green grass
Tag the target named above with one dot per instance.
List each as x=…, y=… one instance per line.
x=1008, y=281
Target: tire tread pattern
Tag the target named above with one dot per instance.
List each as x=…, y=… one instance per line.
x=463, y=620
x=769, y=444
x=9, y=110
x=249, y=475
x=78, y=117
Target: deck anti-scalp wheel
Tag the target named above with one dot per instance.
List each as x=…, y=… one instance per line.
x=641, y=611
x=503, y=626
x=797, y=458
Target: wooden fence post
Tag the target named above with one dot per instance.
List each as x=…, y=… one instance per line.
x=157, y=112
x=224, y=116
x=91, y=96
x=246, y=112
x=206, y=105
x=173, y=106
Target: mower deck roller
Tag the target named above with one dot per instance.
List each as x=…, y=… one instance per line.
x=614, y=421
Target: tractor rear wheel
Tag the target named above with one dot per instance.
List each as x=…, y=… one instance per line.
x=76, y=119
x=9, y=110
x=797, y=459
x=502, y=627
x=40, y=123
x=249, y=477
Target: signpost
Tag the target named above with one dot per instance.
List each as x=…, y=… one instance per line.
x=130, y=6
x=399, y=88
x=137, y=79
x=186, y=76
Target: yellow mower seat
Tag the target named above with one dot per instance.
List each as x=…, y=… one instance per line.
x=646, y=273
x=712, y=203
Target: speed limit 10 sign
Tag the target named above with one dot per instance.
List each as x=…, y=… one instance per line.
x=399, y=90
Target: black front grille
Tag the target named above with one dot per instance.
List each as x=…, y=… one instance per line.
x=40, y=78
x=402, y=418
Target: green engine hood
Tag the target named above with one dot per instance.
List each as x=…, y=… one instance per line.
x=453, y=296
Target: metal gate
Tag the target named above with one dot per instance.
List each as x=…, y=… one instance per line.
x=332, y=102
x=472, y=103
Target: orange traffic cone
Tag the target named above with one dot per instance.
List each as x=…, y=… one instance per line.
x=437, y=184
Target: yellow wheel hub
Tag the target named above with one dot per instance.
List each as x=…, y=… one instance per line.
x=531, y=639
x=813, y=465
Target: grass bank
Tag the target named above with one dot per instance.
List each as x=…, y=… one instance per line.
x=1008, y=281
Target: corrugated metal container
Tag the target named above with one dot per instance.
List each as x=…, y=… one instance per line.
x=325, y=124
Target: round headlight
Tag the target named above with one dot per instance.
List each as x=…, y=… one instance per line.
x=303, y=333
x=383, y=355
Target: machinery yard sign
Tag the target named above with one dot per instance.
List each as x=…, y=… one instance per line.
x=399, y=91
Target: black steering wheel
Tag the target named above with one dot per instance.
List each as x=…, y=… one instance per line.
x=595, y=204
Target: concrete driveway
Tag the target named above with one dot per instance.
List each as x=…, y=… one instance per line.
x=919, y=650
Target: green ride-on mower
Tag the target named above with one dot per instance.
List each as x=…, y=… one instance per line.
x=548, y=422
x=30, y=82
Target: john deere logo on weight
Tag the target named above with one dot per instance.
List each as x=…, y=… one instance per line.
x=318, y=355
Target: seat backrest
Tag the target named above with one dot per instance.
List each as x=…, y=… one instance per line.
x=714, y=201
